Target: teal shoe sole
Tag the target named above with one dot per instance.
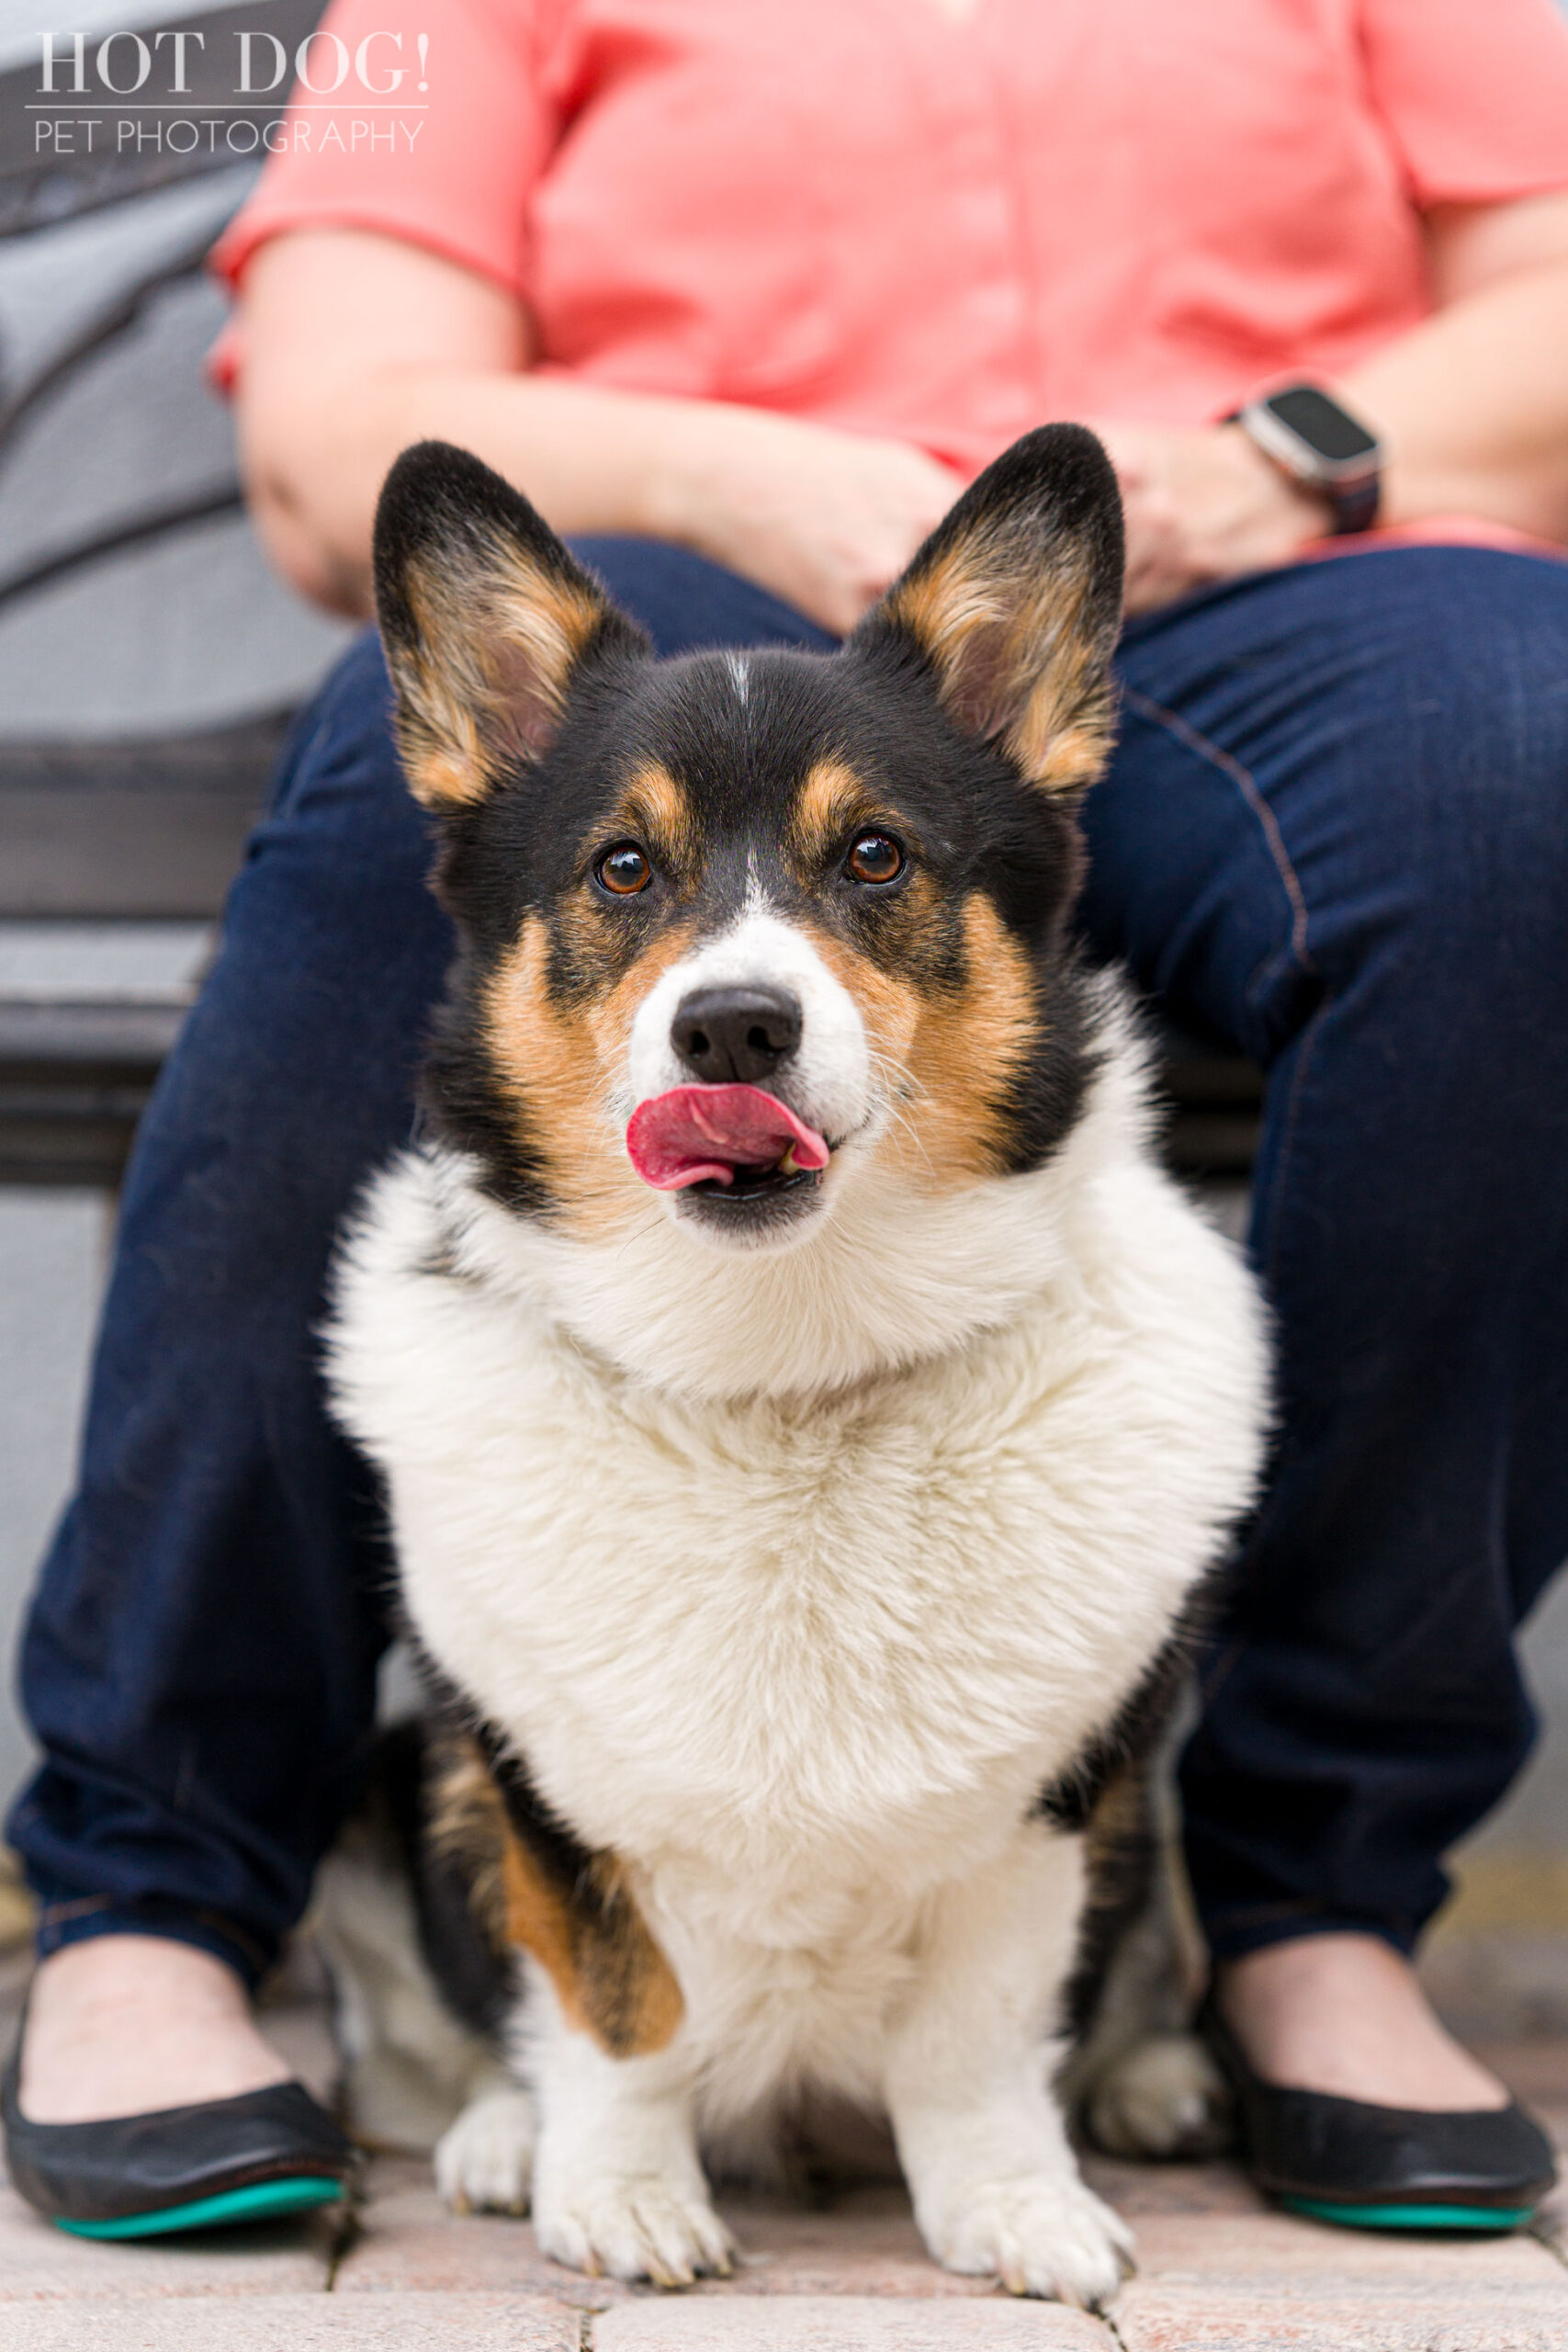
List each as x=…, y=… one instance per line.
x=1494, y=2219
x=264, y=2201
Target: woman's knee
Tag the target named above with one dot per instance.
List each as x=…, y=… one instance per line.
x=340, y=864
x=1457, y=789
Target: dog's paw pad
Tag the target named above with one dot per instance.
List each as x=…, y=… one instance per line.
x=635, y=2227
x=484, y=2162
x=1164, y=2097
x=1040, y=2234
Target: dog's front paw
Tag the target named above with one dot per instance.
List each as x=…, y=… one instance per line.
x=634, y=2226
x=1164, y=2097
x=1040, y=2233
x=484, y=2162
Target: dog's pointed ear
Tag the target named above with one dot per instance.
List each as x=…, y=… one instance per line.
x=1014, y=606
x=486, y=620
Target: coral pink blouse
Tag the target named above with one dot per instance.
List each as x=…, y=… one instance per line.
x=901, y=218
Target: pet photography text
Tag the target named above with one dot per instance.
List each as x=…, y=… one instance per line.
x=159, y=92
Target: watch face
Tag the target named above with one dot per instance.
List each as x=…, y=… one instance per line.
x=1322, y=424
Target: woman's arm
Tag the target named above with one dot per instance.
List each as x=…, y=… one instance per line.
x=1471, y=406
x=356, y=345
x=1474, y=403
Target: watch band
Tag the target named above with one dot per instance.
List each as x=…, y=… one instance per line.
x=1355, y=503
x=1351, y=487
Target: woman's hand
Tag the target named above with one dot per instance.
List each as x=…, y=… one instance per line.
x=826, y=520
x=1203, y=504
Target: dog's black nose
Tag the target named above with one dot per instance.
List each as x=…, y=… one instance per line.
x=724, y=1034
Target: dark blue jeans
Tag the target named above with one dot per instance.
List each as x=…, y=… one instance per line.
x=1336, y=832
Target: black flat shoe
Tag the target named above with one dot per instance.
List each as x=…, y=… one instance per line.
x=1384, y=2168
x=247, y=2159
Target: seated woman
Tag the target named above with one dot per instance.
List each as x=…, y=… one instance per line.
x=741, y=295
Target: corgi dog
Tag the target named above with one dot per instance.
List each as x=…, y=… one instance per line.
x=807, y=1411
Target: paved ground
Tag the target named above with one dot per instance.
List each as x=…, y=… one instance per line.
x=1218, y=2273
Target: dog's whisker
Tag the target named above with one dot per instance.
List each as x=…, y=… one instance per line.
x=894, y=1100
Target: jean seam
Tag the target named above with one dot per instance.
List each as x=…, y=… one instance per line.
x=1266, y=1256
x=1215, y=754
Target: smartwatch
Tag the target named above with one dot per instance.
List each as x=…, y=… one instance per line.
x=1320, y=444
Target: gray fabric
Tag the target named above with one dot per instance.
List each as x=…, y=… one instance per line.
x=60, y=285
x=190, y=631
x=187, y=629
x=135, y=428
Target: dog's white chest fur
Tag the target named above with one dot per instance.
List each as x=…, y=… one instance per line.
x=808, y=1643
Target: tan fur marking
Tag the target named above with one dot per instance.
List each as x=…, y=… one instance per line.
x=1119, y=1820
x=437, y=731
x=610, y=1020
x=609, y=1975
x=655, y=797
x=467, y=1822
x=656, y=809
x=831, y=801
x=560, y=1062
x=539, y=1921
x=1119, y=1842
x=544, y=1055
x=947, y=1056
x=1015, y=656
x=499, y=639
x=1062, y=736
x=889, y=1006
x=965, y=1056
x=629, y=1991
x=592, y=1942
x=944, y=605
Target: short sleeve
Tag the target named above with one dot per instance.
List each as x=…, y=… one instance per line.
x=447, y=158
x=1474, y=98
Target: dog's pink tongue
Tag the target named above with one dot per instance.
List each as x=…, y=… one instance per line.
x=697, y=1132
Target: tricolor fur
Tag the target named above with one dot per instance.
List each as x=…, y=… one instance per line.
x=802, y=1555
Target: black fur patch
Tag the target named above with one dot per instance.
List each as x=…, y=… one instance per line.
x=1105, y=1796
x=469, y=1964
x=1070, y=1799
x=1121, y=1849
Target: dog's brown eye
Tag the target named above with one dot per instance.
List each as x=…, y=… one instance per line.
x=876, y=857
x=623, y=870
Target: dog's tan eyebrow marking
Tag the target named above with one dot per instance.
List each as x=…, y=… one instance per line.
x=831, y=800
x=654, y=805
